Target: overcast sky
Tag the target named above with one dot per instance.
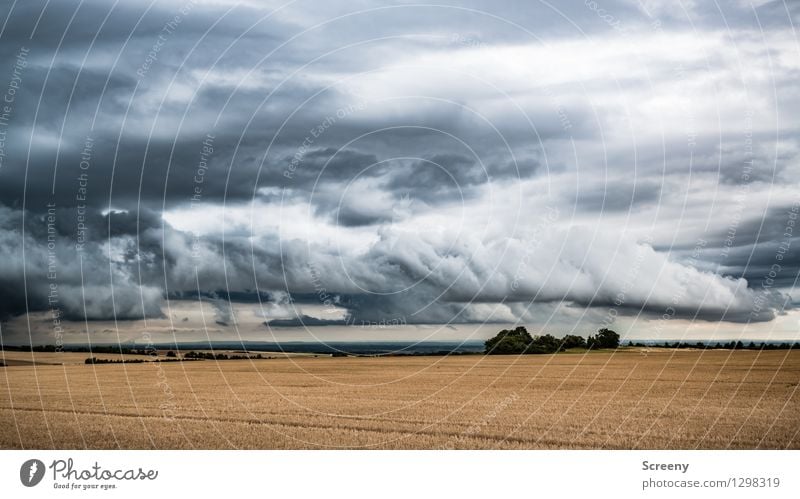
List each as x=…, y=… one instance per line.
x=626, y=163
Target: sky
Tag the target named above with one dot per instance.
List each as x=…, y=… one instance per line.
x=390, y=170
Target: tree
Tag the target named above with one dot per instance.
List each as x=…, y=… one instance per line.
x=605, y=338
x=171, y=354
x=545, y=343
x=573, y=341
x=508, y=341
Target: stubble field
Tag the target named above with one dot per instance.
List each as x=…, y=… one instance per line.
x=660, y=399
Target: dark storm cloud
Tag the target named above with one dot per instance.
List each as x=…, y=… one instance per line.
x=323, y=165
x=766, y=306
x=765, y=251
x=411, y=184
x=80, y=22
x=368, y=154
x=450, y=175
x=52, y=274
x=619, y=195
x=75, y=96
x=127, y=276
x=752, y=159
x=775, y=225
x=763, y=248
x=160, y=168
x=347, y=216
x=304, y=321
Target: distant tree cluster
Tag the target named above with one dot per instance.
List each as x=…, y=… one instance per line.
x=95, y=360
x=519, y=341
x=219, y=356
x=731, y=345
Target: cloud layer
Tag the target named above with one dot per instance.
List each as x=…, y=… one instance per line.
x=476, y=162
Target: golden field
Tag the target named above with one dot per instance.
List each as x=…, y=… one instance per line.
x=627, y=399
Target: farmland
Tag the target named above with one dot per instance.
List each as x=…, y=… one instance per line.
x=632, y=398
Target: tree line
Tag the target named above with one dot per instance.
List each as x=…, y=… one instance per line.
x=218, y=356
x=95, y=360
x=519, y=341
x=730, y=345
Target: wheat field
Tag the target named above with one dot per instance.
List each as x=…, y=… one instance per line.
x=629, y=399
